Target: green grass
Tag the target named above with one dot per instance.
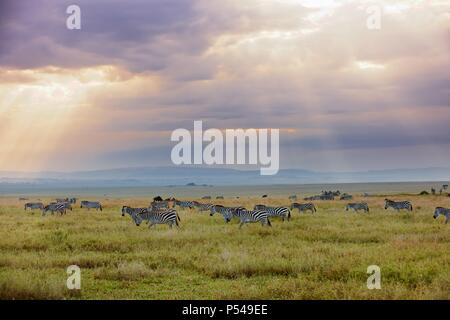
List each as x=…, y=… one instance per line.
x=320, y=256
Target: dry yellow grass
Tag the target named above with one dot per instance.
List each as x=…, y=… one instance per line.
x=314, y=256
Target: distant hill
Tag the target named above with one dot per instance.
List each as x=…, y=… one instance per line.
x=201, y=176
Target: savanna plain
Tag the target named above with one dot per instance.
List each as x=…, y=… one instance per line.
x=324, y=255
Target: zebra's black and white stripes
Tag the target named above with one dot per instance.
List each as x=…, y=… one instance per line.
x=282, y=212
x=54, y=207
x=184, y=204
x=246, y=216
x=91, y=205
x=304, y=207
x=167, y=216
x=397, y=205
x=33, y=205
x=442, y=211
x=357, y=206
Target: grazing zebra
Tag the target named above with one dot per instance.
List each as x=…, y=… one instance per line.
x=252, y=216
x=52, y=207
x=156, y=205
x=282, y=212
x=259, y=207
x=131, y=211
x=326, y=197
x=397, y=205
x=168, y=216
x=202, y=206
x=357, y=206
x=34, y=205
x=346, y=197
x=184, y=204
x=304, y=207
x=91, y=205
x=226, y=212
x=442, y=211
x=67, y=205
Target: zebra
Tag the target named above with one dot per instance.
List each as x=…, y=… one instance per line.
x=282, y=212
x=346, y=196
x=246, y=216
x=202, y=206
x=398, y=205
x=52, y=207
x=67, y=205
x=184, y=204
x=226, y=212
x=72, y=200
x=34, y=205
x=159, y=205
x=357, y=206
x=259, y=207
x=62, y=200
x=326, y=197
x=168, y=216
x=131, y=211
x=442, y=211
x=304, y=207
x=293, y=197
x=91, y=205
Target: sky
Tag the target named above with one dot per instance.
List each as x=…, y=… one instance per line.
x=345, y=97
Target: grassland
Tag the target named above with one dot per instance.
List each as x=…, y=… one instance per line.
x=314, y=256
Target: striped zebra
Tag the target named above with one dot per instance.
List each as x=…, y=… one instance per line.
x=246, y=216
x=398, y=205
x=202, y=206
x=131, y=211
x=168, y=216
x=282, y=212
x=184, y=204
x=34, y=205
x=54, y=207
x=67, y=205
x=442, y=211
x=226, y=212
x=304, y=207
x=346, y=197
x=91, y=205
x=159, y=205
x=326, y=197
x=357, y=206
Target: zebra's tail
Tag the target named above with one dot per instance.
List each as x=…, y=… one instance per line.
x=289, y=214
x=268, y=222
x=178, y=217
x=314, y=207
x=411, y=208
x=101, y=208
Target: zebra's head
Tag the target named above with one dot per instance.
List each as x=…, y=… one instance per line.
x=124, y=210
x=437, y=212
x=386, y=203
x=137, y=219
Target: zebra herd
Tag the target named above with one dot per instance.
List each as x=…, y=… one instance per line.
x=164, y=211
x=61, y=206
x=160, y=212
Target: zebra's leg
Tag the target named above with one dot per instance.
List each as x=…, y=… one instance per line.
x=446, y=218
x=151, y=225
x=241, y=224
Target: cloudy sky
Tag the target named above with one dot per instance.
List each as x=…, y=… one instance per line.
x=345, y=97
